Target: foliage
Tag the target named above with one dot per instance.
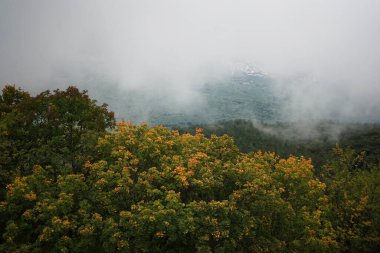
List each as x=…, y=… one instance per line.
x=154, y=190
x=354, y=192
x=50, y=129
x=315, y=140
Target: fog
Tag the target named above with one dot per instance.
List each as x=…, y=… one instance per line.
x=325, y=54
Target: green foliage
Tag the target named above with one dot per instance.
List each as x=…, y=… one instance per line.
x=154, y=190
x=55, y=129
x=354, y=192
x=314, y=141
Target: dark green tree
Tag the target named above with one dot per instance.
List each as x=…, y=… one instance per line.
x=57, y=129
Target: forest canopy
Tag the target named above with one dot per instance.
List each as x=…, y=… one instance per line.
x=77, y=182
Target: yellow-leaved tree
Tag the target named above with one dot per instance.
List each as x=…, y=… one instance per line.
x=154, y=190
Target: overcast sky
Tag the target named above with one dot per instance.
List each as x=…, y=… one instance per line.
x=333, y=44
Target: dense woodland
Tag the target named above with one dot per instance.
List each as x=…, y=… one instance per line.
x=313, y=140
x=73, y=180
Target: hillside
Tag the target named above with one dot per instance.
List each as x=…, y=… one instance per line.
x=241, y=95
x=73, y=180
x=313, y=140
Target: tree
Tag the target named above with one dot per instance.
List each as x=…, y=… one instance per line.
x=57, y=129
x=353, y=187
x=154, y=190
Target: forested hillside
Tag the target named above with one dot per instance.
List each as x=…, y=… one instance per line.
x=244, y=94
x=73, y=180
x=314, y=140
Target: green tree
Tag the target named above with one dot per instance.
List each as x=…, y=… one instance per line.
x=353, y=187
x=57, y=129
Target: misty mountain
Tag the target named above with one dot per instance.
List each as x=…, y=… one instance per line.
x=241, y=95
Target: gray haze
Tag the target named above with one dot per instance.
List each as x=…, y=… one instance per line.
x=324, y=53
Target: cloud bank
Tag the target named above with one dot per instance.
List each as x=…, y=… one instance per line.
x=326, y=53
